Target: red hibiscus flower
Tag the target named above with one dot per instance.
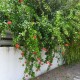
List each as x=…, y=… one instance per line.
x=9, y=22
x=17, y=46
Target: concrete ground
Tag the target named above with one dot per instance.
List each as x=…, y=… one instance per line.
x=71, y=72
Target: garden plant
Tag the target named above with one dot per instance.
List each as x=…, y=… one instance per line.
x=38, y=25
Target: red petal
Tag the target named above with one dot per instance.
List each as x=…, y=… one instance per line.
x=34, y=37
x=34, y=52
x=17, y=46
x=44, y=49
x=20, y=1
x=9, y=22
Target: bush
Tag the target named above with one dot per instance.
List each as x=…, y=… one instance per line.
x=38, y=25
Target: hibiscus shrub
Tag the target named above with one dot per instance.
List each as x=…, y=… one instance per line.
x=38, y=25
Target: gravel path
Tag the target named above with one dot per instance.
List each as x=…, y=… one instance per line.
x=62, y=73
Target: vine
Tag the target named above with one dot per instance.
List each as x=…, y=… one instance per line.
x=38, y=25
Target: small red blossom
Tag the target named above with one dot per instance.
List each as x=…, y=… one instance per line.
x=34, y=37
x=66, y=44
x=44, y=49
x=63, y=53
x=34, y=52
x=17, y=46
x=22, y=54
x=49, y=63
x=9, y=22
x=38, y=59
x=20, y=1
x=40, y=63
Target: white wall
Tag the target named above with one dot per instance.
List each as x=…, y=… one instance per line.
x=11, y=67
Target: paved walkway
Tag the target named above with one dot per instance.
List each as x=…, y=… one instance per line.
x=62, y=73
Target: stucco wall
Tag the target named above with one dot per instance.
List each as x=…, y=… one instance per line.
x=11, y=67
